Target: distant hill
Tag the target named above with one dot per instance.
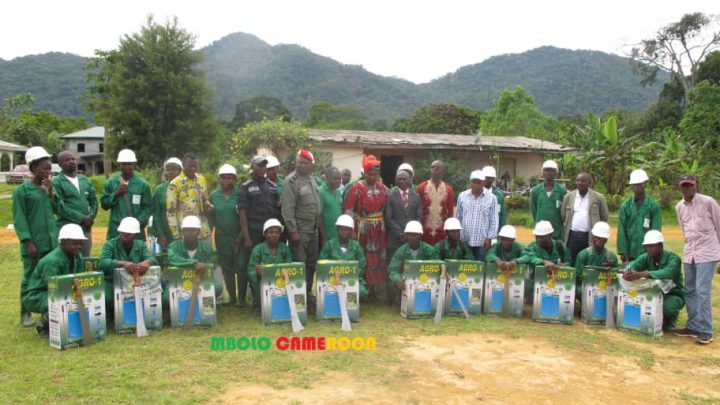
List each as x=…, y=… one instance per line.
x=240, y=65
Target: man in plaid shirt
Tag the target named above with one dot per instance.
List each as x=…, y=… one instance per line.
x=477, y=210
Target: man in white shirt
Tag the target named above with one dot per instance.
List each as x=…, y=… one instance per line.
x=580, y=210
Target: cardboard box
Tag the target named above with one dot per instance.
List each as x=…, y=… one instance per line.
x=467, y=276
x=641, y=311
x=422, y=288
x=180, y=282
x=494, y=295
x=594, y=300
x=124, y=297
x=63, y=310
x=274, y=303
x=554, y=296
x=326, y=281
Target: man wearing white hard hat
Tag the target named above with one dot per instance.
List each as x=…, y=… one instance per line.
x=637, y=215
x=271, y=173
x=269, y=251
x=546, y=251
x=414, y=249
x=225, y=220
x=188, y=194
x=490, y=177
x=452, y=248
x=64, y=259
x=126, y=195
x=507, y=251
x=594, y=255
x=546, y=197
x=160, y=228
x=658, y=263
x=581, y=210
x=124, y=251
x=33, y=204
x=191, y=252
x=344, y=247
x=477, y=210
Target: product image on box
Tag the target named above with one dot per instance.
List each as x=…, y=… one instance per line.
x=467, y=278
x=641, y=311
x=496, y=301
x=332, y=278
x=554, y=295
x=422, y=288
x=595, y=288
x=91, y=263
x=181, y=285
x=126, y=297
x=275, y=302
x=68, y=297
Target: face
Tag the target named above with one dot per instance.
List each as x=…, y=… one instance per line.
x=227, y=181
x=127, y=169
x=42, y=169
x=127, y=238
x=190, y=167
x=68, y=163
x=371, y=176
x=489, y=181
x=271, y=173
x=543, y=241
x=476, y=186
x=437, y=170
x=453, y=235
x=71, y=246
x=598, y=243
x=402, y=180
x=303, y=166
x=654, y=250
x=190, y=234
x=549, y=174
x=413, y=239
x=344, y=232
x=171, y=172
x=506, y=243
x=582, y=183
x=638, y=189
x=688, y=190
x=333, y=180
x=258, y=170
x=272, y=235
x=346, y=177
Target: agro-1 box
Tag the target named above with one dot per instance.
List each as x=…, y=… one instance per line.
x=594, y=295
x=494, y=296
x=466, y=277
x=64, y=309
x=274, y=303
x=329, y=276
x=180, y=285
x=422, y=288
x=125, y=305
x=554, y=295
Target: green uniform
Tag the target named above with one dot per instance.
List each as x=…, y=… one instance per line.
x=332, y=251
x=633, y=222
x=279, y=184
x=261, y=255
x=300, y=206
x=113, y=252
x=536, y=255
x=547, y=208
x=497, y=253
x=331, y=209
x=55, y=263
x=32, y=211
x=224, y=218
x=591, y=257
x=159, y=212
x=137, y=202
x=397, y=264
x=74, y=205
x=501, y=204
x=668, y=268
x=462, y=251
x=178, y=257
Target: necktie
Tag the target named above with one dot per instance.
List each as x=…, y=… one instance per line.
x=404, y=196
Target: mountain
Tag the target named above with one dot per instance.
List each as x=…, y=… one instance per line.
x=241, y=65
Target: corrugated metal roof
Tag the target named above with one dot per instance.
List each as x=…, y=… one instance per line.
x=90, y=133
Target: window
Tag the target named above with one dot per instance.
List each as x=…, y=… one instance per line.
x=101, y=148
x=81, y=147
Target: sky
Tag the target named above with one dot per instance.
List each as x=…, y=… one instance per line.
x=415, y=40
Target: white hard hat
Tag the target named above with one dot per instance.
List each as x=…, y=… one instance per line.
x=652, y=237
x=129, y=225
x=271, y=223
x=489, y=171
x=550, y=164
x=477, y=175
x=71, y=231
x=35, y=153
x=601, y=230
x=191, y=222
x=543, y=228
x=346, y=221
x=272, y=161
x=414, y=227
x=508, y=231
x=407, y=167
x=227, y=169
x=126, y=156
x=638, y=176
x=173, y=161
x=452, y=224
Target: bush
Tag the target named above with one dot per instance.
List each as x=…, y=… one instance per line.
x=614, y=201
x=520, y=182
x=668, y=197
x=520, y=218
x=98, y=182
x=517, y=202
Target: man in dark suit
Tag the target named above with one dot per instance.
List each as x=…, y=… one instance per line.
x=403, y=205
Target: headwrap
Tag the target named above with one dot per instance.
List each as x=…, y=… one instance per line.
x=307, y=155
x=370, y=162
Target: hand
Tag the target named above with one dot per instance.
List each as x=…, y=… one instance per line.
x=512, y=264
x=200, y=266
x=47, y=183
x=295, y=238
x=633, y=275
x=122, y=189
x=258, y=269
x=502, y=265
x=486, y=244
x=87, y=222
x=31, y=249
x=143, y=268
x=247, y=242
x=400, y=284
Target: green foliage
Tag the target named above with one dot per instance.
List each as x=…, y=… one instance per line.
x=98, y=182
x=515, y=114
x=440, y=119
x=614, y=201
x=284, y=139
x=517, y=202
x=520, y=181
x=151, y=95
x=258, y=108
x=342, y=116
x=457, y=173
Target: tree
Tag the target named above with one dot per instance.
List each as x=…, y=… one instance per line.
x=341, y=116
x=440, y=119
x=258, y=108
x=151, y=94
x=515, y=114
x=282, y=138
x=678, y=48
x=700, y=124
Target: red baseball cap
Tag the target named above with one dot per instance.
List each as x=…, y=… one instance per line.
x=687, y=179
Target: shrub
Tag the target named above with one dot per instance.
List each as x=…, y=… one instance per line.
x=520, y=181
x=517, y=202
x=668, y=196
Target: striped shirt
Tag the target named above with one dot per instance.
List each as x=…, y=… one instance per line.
x=700, y=223
x=478, y=216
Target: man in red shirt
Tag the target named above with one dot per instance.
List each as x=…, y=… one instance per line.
x=438, y=200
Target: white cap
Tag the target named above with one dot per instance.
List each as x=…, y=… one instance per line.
x=652, y=237
x=601, y=230
x=271, y=223
x=550, y=164
x=129, y=225
x=126, y=156
x=227, y=169
x=35, y=153
x=508, y=231
x=414, y=227
x=489, y=171
x=543, y=228
x=452, y=224
x=173, y=161
x=71, y=231
x=477, y=175
x=191, y=222
x=346, y=221
x=408, y=167
x=272, y=161
x=638, y=176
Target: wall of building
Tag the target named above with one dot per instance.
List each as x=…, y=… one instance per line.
x=92, y=146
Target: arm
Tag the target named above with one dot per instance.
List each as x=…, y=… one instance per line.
x=493, y=219
x=22, y=227
x=107, y=198
x=604, y=212
x=533, y=203
x=491, y=254
x=715, y=214
x=63, y=210
x=395, y=268
x=655, y=217
x=430, y=252
x=622, y=242
x=390, y=221
x=145, y=205
x=450, y=202
x=107, y=262
x=669, y=272
x=255, y=259
x=287, y=207
x=92, y=200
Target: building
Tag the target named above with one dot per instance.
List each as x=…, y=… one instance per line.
x=89, y=148
x=8, y=150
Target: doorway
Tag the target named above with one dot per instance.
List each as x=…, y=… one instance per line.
x=388, y=167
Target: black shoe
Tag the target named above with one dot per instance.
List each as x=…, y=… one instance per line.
x=256, y=308
x=240, y=304
x=42, y=329
x=704, y=338
x=685, y=332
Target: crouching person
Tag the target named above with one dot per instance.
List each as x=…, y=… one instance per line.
x=344, y=247
x=270, y=251
x=191, y=252
x=452, y=247
x=594, y=255
x=65, y=259
x=546, y=251
x=414, y=249
x=507, y=251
